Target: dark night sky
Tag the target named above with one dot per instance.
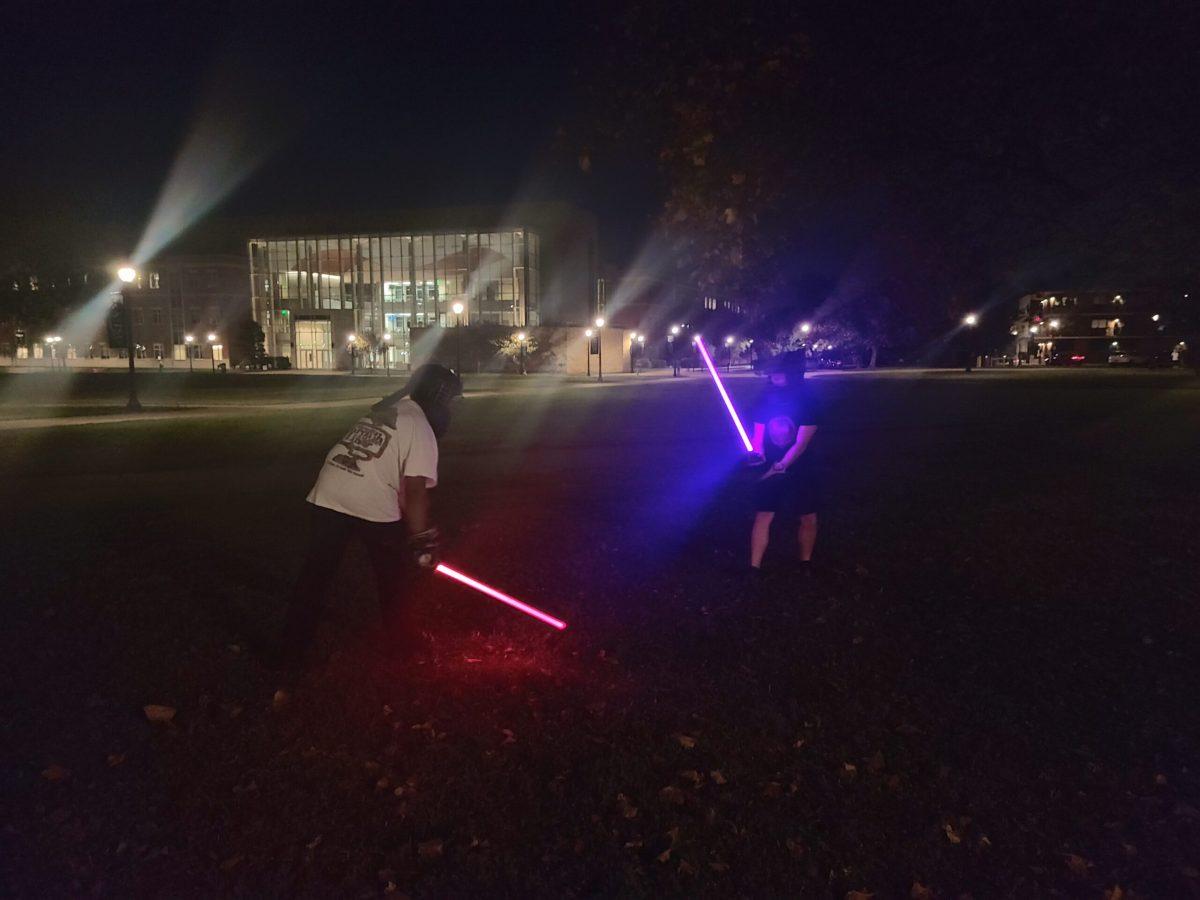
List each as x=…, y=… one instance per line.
x=355, y=108
x=365, y=107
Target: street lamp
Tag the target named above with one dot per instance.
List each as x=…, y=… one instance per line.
x=127, y=274
x=458, y=309
x=212, y=349
x=588, y=334
x=970, y=320
x=387, y=354
x=350, y=339
x=1155, y=317
x=805, y=327
x=599, y=348
x=729, y=353
x=188, y=340
x=523, y=347
x=1054, y=324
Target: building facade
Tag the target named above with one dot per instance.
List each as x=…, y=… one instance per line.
x=204, y=297
x=1076, y=327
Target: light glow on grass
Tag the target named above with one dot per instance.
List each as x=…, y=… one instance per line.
x=470, y=582
x=712, y=370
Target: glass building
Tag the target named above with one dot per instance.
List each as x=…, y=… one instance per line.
x=311, y=294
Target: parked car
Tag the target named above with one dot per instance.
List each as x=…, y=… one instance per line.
x=1066, y=359
x=1126, y=358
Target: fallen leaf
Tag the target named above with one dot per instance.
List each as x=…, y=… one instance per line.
x=693, y=776
x=920, y=892
x=686, y=868
x=1114, y=893
x=55, y=772
x=672, y=794
x=430, y=849
x=314, y=843
x=627, y=809
x=951, y=834
x=859, y=895
x=156, y=713
x=664, y=856
x=280, y=699
x=717, y=777
x=1078, y=865
x=509, y=737
x=849, y=769
x=719, y=866
x=115, y=759
x=686, y=740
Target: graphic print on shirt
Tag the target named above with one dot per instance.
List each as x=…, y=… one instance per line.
x=782, y=431
x=362, y=442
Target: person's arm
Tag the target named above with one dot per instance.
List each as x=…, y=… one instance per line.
x=756, y=457
x=804, y=436
x=416, y=504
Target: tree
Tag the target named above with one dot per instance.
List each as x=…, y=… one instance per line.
x=248, y=343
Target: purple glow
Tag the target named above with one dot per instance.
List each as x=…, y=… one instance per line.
x=712, y=370
x=502, y=597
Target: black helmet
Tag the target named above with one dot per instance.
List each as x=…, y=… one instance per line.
x=791, y=363
x=431, y=387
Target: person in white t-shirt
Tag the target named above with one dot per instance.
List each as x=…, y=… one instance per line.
x=374, y=486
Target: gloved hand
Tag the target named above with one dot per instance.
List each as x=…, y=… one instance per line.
x=424, y=547
x=754, y=458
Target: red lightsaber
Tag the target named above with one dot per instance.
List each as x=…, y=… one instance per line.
x=470, y=582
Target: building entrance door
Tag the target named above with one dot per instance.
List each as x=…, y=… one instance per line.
x=314, y=344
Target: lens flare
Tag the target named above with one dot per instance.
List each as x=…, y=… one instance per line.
x=712, y=370
x=502, y=597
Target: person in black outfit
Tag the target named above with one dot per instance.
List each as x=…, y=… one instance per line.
x=785, y=423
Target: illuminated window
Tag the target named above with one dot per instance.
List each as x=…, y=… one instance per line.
x=154, y=281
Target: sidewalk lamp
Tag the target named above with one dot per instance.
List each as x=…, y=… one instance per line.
x=523, y=342
x=599, y=348
x=458, y=310
x=588, y=334
x=127, y=275
x=1054, y=324
x=350, y=346
x=387, y=354
x=805, y=327
x=729, y=353
x=970, y=320
x=641, y=339
x=188, y=340
x=212, y=349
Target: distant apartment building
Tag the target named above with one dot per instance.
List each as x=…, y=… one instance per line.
x=1090, y=326
x=171, y=299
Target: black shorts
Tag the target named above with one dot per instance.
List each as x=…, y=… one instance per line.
x=794, y=493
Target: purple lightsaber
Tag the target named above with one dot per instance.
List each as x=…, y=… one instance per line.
x=712, y=370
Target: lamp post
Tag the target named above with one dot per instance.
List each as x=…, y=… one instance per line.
x=458, y=311
x=212, y=350
x=387, y=354
x=127, y=274
x=970, y=320
x=674, y=353
x=522, y=348
x=588, y=334
x=350, y=339
x=729, y=353
x=641, y=340
x=599, y=349
x=188, y=340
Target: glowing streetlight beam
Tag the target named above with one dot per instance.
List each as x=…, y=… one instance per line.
x=470, y=582
x=712, y=370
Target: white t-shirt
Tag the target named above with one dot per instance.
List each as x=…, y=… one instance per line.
x=364, y=473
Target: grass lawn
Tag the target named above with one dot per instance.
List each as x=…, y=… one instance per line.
x=987, y=689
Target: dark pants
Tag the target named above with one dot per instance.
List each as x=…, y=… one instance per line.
x=329, y=533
